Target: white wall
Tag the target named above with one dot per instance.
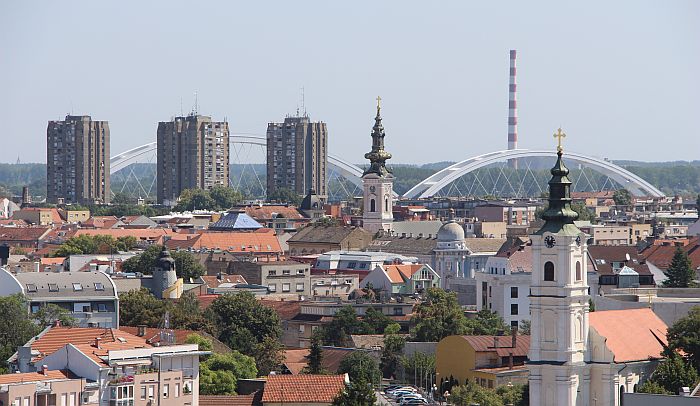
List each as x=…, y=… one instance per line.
x=9, y=284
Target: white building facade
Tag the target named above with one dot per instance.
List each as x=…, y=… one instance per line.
x=377, y=183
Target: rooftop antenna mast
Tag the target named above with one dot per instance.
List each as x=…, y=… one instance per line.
x=182, y=112
x=196, y=104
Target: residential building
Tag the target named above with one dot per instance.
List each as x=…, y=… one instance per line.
x=235, y=220
x=74, y=216
x=357, y=262
x=489, y=361
x=44, y=388
x=279, y=217
x=30, y=238
x=334, y=285
x=297, y=155
x=377, y=183
x=7, y=208
x=505, y=286
x=659, y=255
x=318, y=239
x=280, y=277
x=610, y=234
x=297, y=390
x=402, y=279
x=89, y=297
x=193, y=153
x=506, y=212
x=617, y=267
x=77, y=161
x=38, y=216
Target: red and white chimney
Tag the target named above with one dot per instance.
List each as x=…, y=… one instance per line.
x=512, y=108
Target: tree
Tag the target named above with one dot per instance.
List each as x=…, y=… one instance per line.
x=360, y=366
x=344, y=323
x=622, y=197
x=195, y=199
x=438, y=316
x=674, y=373
x=418, y=366
x=50, y=313
x=356, y=393
x=471, y=393
x=315, y=357
x=525, y=327
x=187, y=314
x=269, y=355
x=224, y=197
x=94, y=244
x=186, y=265
x=375, y=320
x=220, y=373
x=16, y=328
x=680, y=273
x=684, y=335
x=203, y=343
x=652, y=387
x=584, y=213
x=486, y=323
x=121, y=198
x=516, y=395
x=242, y=322
x=138, y=307
x=393, y=348
x=283, y=195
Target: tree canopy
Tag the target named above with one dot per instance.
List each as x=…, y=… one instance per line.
x=438, y=316
x=220, y=373
x=217, y=198
x=684, y=334
x=622, y=197
x=95, y=244
x=283, y=195
x=360, y=365
x=393, y=348
x=680, y=273
x=16, y=328
x=356, y=393
x=315, y=357
x=187, y=266
x=674, y=372
x=50, y=313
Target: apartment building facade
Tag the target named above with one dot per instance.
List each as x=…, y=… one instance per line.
x=77, y=158
x=193, y=153
x=297, y=155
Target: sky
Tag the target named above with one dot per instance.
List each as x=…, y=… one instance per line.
x=620, y=77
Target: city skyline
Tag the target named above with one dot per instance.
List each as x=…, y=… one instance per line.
x=611, y=75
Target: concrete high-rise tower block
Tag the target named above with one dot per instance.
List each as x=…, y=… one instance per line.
x=512, y=109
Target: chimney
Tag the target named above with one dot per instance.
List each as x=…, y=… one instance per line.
x=512, y=109
x=495, y=341
x=514, y=336
x=26, y=198
x=57, y=323
x=510, y=360
x=45, y=370
x=141, y=330
x=97, y=342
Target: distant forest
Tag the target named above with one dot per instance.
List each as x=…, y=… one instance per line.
x=673, y=178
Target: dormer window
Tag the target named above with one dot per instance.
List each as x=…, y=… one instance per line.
x=99, y=286
x=53, y=287
x=31, y=288
x=77, y=287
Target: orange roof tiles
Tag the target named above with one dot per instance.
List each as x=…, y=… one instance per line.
x=57, y=337
x=256, y=242
x=265, y=212
x=662, y=255
x=52, y=260
x=504, y=349
x=214, y=282
x=305, y=389
x=401, y=272
x=230, y=400
x=631, y=335
x=23, y=233
x=34, y=377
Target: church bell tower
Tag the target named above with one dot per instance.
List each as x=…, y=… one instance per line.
x=377, y=183
x=559, y=300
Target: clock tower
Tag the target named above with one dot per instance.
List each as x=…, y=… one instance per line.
x=559, y=300
x=377, y=183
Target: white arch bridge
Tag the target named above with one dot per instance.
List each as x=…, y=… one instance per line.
x=434, y=184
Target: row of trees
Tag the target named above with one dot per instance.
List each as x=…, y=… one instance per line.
x=186, y=265
x=95, y=244
x=217, y=198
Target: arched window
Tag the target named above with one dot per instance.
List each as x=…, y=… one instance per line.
x=578, y=271
x=386, y=204
x=622, y=391
x=549, y=271
x=372, y=205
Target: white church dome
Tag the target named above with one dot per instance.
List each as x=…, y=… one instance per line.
x=450, y=231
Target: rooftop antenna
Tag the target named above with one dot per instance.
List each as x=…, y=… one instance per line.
x=182, y=112
x=303, y=106
x=196, y=104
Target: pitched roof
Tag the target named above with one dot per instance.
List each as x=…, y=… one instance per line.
x=295, y=359
x=307, y=389
x=23, y=233
x=54, y=338
x=325, y=234
x=139, y=233
x=34, y=377
x=662, y=255
x=266, y=212
x=214, y=282
x=261, y=241
x=285, y=309
x=399, y=273
x=78, y=285
x=602, y=257
x=478, y=245
x=519, y=257
x=631, y=335
x=404, y=245
x=231, y=400
x=235, y=220
x=504, y=349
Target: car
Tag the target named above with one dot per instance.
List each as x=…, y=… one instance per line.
x=402, y=389
x=409, y=396
x=413, y=402
x=399, y=393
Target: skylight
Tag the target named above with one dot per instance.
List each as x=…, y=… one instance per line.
x=99, y=286
x=77, y=287
x=31, y=287
x=53, y=287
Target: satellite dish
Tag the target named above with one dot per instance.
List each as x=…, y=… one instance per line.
x=627, y=256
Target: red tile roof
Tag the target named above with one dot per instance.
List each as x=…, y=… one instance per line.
x=214, y=282
x=230, y=400
x=304, y=389
x=295, y=359
x=261, y=241
x=631, y=335
x=401, y=272
x=618, y=253
x=34, y=377
x=285, y=309
x=23, y=233
x=504, y=349
x=57, y=337
x=265, y=212
x=661, y=255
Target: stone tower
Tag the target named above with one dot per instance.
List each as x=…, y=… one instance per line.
x=165, y=277
x=377, y=182
x=559, y=301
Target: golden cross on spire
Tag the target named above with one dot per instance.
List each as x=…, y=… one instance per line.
x=559, y=135
x=379, y=101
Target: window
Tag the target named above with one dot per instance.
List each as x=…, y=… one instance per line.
x=99, y=286
x=53, y=287
x=549, y=271
x=514, y=292
x=300, y=271
x=272, y=287
x=578, y=271
x=352, y=265
x=272, y=273
x=301, y=329
x=514, y=324
x=101, y=307
x=166, y=389
x=286, y=287
x=398, y=311
x=177, y=390
x=77, y=287
x=35, y=308
x=300, y=287
x=372, y=206
x=143, y=392
x=514, y=309
x=31, y=287
x=151, y=391
x=286, y=272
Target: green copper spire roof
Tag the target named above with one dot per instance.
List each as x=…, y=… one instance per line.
x=378, y=156
x=559, y=216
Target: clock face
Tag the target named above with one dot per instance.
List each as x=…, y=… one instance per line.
x=372, y=189
x=550, y=241
x=578, y=240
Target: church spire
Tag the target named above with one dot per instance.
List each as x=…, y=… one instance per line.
x=378, y=156
x=559, y=216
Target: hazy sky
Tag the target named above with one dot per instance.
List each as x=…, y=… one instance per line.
x=621, y=77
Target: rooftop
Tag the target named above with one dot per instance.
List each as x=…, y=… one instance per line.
x=34, y=377
x=631, y=335
x=325, y=234
x=305, y=389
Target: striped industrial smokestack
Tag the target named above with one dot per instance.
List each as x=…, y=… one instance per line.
x=512, y=109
